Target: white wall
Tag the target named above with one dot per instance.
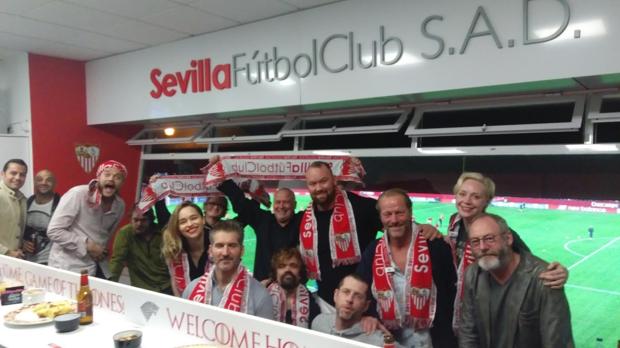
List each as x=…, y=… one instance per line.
x=15, y=94
x=15, y=113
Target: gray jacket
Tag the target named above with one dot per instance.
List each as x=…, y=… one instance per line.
x=541, y=314
x=326, y=322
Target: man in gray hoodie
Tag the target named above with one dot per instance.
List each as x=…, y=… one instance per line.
x=351, y=298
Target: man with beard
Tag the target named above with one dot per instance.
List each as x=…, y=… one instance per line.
x=506, y=304
x=412, y=279
x=274, y=230
x=292, y=302
x=41, y=207
x=351, y=298
x=12, y=207
x=334, y=229
x=227, y=283
x=85, y=218
x=138, y=246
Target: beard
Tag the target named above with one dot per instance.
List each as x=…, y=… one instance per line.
x=288, y=281
x=491, y=262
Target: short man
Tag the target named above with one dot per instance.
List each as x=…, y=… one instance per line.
x=274, y=230
x=41, y=207
x=214, y=209
x=292, y=302
x=12, y=207
x=84, y=220
x=228, y=284
x=138, y=246
x=505, y=303
x=334, y=230
x=412, y=279
x=351, y=299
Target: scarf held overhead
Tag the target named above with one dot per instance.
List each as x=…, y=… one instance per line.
x=280, y=167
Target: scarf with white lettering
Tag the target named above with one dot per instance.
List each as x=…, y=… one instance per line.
x=188, y=186
x=235, y=297
x=343, y=243
x=179, y=271
x=420, y=291
x=466, y=259
x=280, y=167
x=300, y=312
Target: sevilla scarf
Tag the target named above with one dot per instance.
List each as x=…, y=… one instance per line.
x=235, y=297
x=300, y=312
x=94, y=194
x=188, y=186
x=420, y=291
x=179, y=271
x=280, y=167
x=466, y=259
x=343, y=243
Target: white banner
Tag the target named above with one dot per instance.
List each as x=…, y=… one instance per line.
x=167, y=315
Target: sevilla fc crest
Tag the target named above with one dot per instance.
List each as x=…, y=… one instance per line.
x=87, y=155
x=420, y=296
x=343, y=241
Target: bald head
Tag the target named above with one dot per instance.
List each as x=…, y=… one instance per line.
x=44, y=183
x=284, y=205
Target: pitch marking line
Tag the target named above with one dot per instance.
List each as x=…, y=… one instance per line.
x=570, y=242
x=608, y=292
x=594, y=253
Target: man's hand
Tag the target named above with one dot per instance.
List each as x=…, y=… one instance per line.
x=555, y=276
x=15, y=253
x=28, y=246
x=95, y=250
x=429, y=232
x=371, y=324
x=213, y=160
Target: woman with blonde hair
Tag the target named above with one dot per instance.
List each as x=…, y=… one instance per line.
x=473, y=193
x=185, y=245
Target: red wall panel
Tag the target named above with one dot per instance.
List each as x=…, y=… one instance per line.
x=58, y=105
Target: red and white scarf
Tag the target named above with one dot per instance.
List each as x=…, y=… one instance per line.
x=343, y=243
x=280, y=167
x=300, y=313
x=466, y=259
x=420, y=291
x=179, y=271
x=94, y=194
x=188, y=186
x=235, y=297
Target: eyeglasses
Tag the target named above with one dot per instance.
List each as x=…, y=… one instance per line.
x=489, y=239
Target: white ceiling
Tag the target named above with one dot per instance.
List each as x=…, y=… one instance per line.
x=90, y=29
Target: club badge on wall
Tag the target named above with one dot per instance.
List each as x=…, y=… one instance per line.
x=87, y=155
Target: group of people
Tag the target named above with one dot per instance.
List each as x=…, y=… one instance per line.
x=479, y=286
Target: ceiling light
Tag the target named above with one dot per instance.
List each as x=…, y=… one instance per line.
x=169, y=131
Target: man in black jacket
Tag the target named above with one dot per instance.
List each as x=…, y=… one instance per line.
x=412, y=278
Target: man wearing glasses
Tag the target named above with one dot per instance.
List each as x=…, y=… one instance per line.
x=505, y=304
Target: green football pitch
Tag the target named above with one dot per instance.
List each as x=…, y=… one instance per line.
x=593, y=287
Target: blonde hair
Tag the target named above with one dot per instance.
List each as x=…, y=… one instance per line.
x=172, y=244
x=487, y=183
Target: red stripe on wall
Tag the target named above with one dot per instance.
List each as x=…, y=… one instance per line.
x=58, y=106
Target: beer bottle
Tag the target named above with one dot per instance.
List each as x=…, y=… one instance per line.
x=85, y=300
x=388, y=341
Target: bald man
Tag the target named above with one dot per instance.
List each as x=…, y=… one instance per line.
x=41, y=206
x=275, y=230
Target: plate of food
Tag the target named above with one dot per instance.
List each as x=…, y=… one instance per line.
x=39, y=313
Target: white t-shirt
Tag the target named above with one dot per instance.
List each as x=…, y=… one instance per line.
x=37, y=219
